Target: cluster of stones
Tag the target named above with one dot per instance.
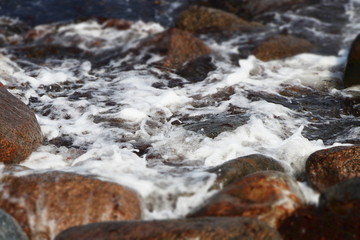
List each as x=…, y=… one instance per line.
x=256, y=198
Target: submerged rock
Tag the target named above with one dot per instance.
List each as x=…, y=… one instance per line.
x=352, y=70
x=200, y=228
x=45, y=204
x=267, y=196
x=281, y=46
x=328, y=167
x=239, y=167
x=9, y=228
x=20, y=132
x=202, y=19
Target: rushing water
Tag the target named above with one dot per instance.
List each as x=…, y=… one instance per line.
x=129, y=125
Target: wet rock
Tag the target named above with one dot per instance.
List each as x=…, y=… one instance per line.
x=45, y=204
x=352, y=71
x=20, y=132
x=201, y=228
x=328, y=167
x=237, y=168
x=197, y=70
x=9, y=228
x=281, y=46
x=177, y=46
x=202, y=19
x=251, y=9
x=319, y=224
x=267, y=196
x=343, y=198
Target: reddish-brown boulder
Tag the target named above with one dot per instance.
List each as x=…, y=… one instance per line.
x=20, y=132
x=202, y=19
x=201, y=228
x=328, y=167
x=281, y=46
x=268, y=196
x=46, y=204
x=240, y=167
x=177, y=46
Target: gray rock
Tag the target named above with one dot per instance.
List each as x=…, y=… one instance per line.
x=9, y=228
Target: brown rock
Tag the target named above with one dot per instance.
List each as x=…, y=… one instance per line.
x=239, y=167
x=250, y=9
x=327, y=167
x=281, y=46
x=178, y=46
x=267, y=196
x=352, y=71
x=318, y=224
x=203, y=19
x=20, y=132
x=201, y=228
x=45, y=204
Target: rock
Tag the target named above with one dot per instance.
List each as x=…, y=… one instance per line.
x=343, y=198
x=328, y=167
x=177, y=46
x=20, y=132
x=45, y=204
x=352, y=71
x=202, y=19
x=197, y=69
x=318, y=224
x=250, y=9
x=281, y=46
x=268, y=196
x=201, y=228
x=239, y=167
x=9, y=228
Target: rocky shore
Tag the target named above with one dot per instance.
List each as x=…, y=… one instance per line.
x=255, y=196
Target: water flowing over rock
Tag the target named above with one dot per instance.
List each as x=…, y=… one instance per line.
x=9, y=228
x=352, y=70
x=20, y=132
x=281, y=46
x=45, y=204
x=237, y=168
x=201, y=228
x=267, y=196
x=202, y=19
x=327, y=167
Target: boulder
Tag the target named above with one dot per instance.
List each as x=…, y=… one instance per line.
x=343, y=198
x=202, y=19
x=328, y=167
x=318, y=224
x=352, y=71
x=201, y=228
x=9, y=228
x=20, y=132
x=268, y=196
x=44, y=204
x=178, y=47
x=239, y=167
x=281, y=46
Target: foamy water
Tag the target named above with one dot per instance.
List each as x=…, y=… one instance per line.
x=106, y=114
